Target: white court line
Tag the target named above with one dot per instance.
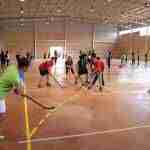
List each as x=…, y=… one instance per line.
x=108, y=92
x=84, y=134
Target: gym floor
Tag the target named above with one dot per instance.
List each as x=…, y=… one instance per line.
x=118, y=118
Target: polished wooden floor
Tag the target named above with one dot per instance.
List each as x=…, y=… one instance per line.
x=116, y=119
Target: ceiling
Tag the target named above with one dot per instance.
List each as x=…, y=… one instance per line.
x=116, y=12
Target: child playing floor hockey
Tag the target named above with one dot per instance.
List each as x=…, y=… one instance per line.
x=45, y=70
x=82, y=69
x=12, y=78
x=98, y=73
x=69, y=66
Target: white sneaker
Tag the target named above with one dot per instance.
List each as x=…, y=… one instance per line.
x=2, y=137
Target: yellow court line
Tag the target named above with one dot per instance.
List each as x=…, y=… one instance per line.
x=28, y=136
x=42, y=121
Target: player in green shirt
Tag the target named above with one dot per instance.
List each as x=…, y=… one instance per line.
x=12, y=78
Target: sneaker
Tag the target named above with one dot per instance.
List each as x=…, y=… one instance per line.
x=89, y=87
x=39, y=86
x=100, y=89
x=75, y=82
x=2, y=137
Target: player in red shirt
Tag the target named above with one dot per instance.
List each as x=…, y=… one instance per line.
x=45, y=69
x=99, y=70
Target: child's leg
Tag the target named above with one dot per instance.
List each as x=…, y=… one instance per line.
x=121, y=61
x=41, y=77
x=73, y=72
x=78, y=78
x=109, y=65
x=48, y=80
x=67, y=70
x=86, y=77
x=2, y=117
x=100, y=82
x=94, y=81
x=2, y=67
x=102, y=76
x=39, y=84
x=2, y=108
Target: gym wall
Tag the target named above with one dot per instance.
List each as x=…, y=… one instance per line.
x=72, y=36
x=132, y=42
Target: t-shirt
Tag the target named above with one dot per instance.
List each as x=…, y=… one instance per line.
x=82, y=66
x=46, y=65
x=99, y=66
x=9, y=79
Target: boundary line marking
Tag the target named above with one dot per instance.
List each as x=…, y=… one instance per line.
x=28, y=136
x=84, y=134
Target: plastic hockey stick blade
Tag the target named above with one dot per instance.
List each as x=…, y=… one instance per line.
x=39, y=104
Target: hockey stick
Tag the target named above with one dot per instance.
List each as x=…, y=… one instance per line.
x=38, y=103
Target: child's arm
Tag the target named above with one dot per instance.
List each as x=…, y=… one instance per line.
x=19, y=87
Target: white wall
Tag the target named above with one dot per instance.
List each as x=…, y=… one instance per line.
x=105, y=33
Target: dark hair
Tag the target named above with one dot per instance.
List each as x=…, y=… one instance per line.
x=22, y=62
x=93, y=54
x=17, y=57
x=98, y=57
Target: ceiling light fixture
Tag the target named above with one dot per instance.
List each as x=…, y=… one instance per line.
x=21, y=11
x=47, y=22
x=109, y=1
x=58, y=10
x=147, y=4
x=92, y=9
x=21, y=0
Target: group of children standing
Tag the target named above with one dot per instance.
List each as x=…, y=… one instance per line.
x=124, y=58
x=91, y=66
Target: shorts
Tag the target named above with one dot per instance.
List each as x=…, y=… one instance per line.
x=43, y=72
x=84, y=71
x=69, y=69
x=2, y=106
x=3, y=62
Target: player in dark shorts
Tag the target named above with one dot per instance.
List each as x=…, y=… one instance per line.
x=146, y=58
x=55, y=56
x=45, y=69
x=133, y=58
x=3, y=61
x=82, y=69
x=69, y=66
x=7, y=59
x=109, y=57
x=91, y=63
